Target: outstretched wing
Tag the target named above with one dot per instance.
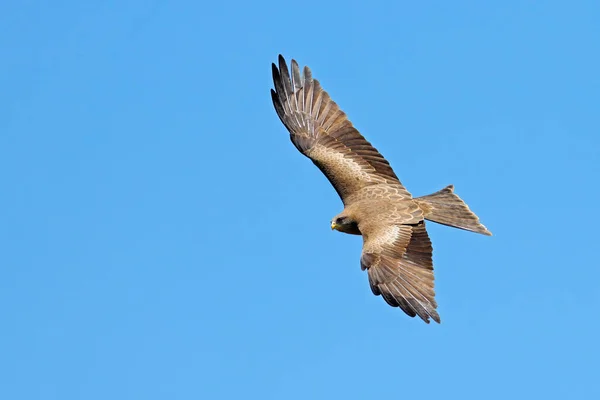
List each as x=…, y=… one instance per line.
x=398, y=261
x=323, y=133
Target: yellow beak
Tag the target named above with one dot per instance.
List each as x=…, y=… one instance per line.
x=333, y=225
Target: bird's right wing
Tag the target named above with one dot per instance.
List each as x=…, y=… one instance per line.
x=399, y=263
x=323, y=133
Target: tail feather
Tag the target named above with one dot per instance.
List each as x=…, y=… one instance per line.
x=445, y=207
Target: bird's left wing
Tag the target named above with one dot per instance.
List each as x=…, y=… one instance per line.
x=323, y=133
x=399, y=263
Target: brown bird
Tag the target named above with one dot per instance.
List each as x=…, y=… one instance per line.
x=396, y=248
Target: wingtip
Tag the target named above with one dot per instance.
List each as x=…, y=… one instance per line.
x=282, y=63
x=296, y=78
x=484, y=231
x=307, y=75
x=275, y=72
x=434, y=316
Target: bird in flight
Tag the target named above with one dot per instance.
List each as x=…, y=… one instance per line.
x=397, y=252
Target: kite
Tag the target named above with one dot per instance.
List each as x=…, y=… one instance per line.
x=397, y=252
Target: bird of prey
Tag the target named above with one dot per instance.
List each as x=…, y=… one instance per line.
x=397, y=252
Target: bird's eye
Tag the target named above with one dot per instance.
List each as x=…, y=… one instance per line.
x=339, y=220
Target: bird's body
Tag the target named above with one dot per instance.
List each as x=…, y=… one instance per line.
x=397, y=252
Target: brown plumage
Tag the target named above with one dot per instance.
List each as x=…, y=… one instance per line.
x=396, y=248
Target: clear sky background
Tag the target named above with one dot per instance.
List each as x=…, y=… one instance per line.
x=161, y=238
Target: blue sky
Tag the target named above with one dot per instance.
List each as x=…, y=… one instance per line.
x=160, y=237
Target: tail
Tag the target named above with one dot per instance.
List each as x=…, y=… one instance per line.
x=445, y=207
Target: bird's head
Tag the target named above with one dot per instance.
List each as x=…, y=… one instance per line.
x=345, y=223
